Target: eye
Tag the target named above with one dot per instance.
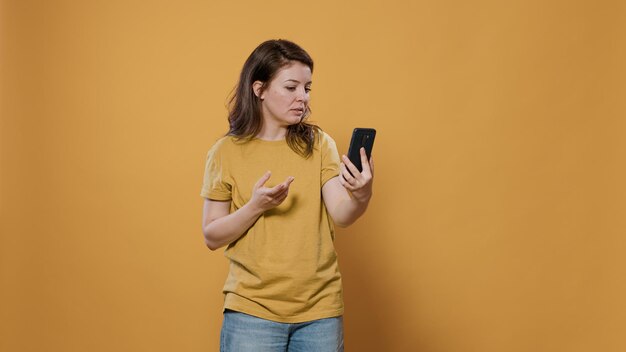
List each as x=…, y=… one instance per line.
x=307, y=89
x=291, y=88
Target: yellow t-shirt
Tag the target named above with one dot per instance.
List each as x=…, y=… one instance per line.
x=284, y=268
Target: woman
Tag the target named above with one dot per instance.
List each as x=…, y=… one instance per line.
x=283, y=291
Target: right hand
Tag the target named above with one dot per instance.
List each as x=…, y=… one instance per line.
x=265, y=198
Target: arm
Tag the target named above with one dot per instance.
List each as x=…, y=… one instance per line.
x=347, y=197
x=221, y=228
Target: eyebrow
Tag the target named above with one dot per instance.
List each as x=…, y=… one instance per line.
x=295, y=80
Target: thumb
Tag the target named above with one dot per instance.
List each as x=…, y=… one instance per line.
x=262, y=180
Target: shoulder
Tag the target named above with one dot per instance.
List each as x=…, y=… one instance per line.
x=223, y=144
x=322, y=137
x=221, y=150
x=324, y=140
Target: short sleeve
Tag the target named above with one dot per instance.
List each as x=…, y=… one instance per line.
x=330, y=158
x=214, y=184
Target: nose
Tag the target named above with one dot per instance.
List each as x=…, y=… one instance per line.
x=302, y=95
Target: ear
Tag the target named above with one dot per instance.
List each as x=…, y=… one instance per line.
x=257, y=88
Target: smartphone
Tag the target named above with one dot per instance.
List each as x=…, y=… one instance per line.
x=361, y=137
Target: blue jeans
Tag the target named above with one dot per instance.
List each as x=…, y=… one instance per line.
x=242, y=333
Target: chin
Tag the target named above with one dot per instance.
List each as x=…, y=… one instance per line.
x=293, y=121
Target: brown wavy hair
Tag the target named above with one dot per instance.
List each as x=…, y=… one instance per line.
x=245, y=118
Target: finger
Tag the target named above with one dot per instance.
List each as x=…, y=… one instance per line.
x=288, y=181
x=342, y=180
x=372, y=164
x=365, y=165
x=353, y=170
x=349, y=184
x=282, y=197
x=274, y=191
x=285, y=191
x=342, y=171
x=263, y=179
x=280, y=193
x=278, y=189
x=345, y=184
x=279, y=197
x=346, y=175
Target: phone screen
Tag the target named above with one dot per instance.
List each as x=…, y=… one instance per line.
x=361, y=138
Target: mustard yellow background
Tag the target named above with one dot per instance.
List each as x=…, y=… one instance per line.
x=499, y=216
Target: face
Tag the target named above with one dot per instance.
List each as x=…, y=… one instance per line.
x=285, y=100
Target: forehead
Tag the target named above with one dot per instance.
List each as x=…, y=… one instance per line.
x=296, y=71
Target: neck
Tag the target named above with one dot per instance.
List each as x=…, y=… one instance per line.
x=272, y=132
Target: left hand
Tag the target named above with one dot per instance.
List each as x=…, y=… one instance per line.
x=358, y=183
